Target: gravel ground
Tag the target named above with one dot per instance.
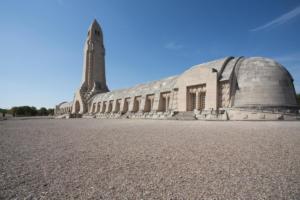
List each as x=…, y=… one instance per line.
x=148, y=159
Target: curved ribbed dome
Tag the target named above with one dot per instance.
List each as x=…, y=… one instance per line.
x=262, y=82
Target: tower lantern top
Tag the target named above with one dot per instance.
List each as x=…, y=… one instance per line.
x=95, y=31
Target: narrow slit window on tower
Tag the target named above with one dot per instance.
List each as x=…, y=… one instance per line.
x=97, y=32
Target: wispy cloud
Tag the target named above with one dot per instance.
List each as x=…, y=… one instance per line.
x=280, y=20
x=173, y=46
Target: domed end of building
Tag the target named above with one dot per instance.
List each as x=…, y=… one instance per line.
x=263, y=83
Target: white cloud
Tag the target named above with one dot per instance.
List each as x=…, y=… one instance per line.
x=280, y=20
x=173, y=46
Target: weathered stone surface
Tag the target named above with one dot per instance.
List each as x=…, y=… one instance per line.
x=262, y=82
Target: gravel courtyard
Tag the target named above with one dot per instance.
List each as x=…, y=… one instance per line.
x=148, y=159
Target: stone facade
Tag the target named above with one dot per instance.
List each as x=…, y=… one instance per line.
x=235, y=88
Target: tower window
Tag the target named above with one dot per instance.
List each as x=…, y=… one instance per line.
x=97, y=32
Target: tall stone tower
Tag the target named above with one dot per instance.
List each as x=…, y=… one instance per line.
x=94, y=64
x=93, y=76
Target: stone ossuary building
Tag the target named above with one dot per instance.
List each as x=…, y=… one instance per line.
x=231, y=88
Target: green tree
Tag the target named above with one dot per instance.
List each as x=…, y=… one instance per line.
x=13, y=111
x=43, y=111
x=24, y=111
x=3, y=110
x=50, y=111
x=29, y=111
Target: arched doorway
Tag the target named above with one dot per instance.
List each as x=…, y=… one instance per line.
x=103, y=107
x=149, y=103
x=77, y=107
x=126, y=105
x=110, y=106
x=136, y=104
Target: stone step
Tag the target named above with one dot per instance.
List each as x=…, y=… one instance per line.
x=88, y=116
x=184, y=116
x=75, y=115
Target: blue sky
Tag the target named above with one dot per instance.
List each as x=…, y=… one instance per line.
x=41, y=41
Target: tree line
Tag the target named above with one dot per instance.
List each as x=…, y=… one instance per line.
x=27, y=111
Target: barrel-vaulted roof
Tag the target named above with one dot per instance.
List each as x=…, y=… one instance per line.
x=163, y=85
x=66, y=104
